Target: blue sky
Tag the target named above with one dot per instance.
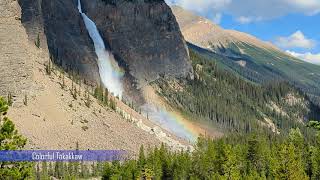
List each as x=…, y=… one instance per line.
x=292, y=25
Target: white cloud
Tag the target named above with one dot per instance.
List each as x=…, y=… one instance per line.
x=308, y=57
x=203, y=6
x=244, y=19
x=309, y=7
x=296, y=40
x=217, y=18
x=248, y=19
x=207, y=8
x=247, y=11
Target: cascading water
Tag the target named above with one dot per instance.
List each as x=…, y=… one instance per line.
x=111, y=76
x=109, y=71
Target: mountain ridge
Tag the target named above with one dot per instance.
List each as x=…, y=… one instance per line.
x=191, y=24
x=247, y=56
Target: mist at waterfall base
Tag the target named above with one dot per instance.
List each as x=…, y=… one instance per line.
x=111, y=77
x=170, y=121
x=110, y=73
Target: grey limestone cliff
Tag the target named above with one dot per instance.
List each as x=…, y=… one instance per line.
x=143, y=35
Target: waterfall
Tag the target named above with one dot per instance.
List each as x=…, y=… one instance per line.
x=111, y=76
x=109, y=71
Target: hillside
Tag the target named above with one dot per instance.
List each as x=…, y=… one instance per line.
x=118, y=75
x=55, y=110
x=221, y=99
x=246, y=55
x=15, y=58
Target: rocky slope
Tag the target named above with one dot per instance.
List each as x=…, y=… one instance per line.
x=15, y=60
x=44, y=109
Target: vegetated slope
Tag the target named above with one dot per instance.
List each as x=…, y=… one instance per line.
x=232, y=103
x=261, y=66
x=246, y=55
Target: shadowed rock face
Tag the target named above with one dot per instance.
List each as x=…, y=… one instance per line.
x=66, y=36
x=68, y=39
x=144, y=37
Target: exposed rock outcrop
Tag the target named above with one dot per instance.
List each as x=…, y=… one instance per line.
x=144, y=37
x=66, y=36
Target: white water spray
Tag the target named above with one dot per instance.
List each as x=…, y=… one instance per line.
x=109, y=71
x=167, y=121
x=111, y=79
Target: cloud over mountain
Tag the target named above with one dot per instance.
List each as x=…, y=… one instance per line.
x=296, y=40
x=308, y=57
x=246, y=11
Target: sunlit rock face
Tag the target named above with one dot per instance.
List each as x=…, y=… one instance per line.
x=144, y=37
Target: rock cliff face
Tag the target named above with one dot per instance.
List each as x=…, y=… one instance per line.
x=68, y=39
x=64, y=34
x=143, y=35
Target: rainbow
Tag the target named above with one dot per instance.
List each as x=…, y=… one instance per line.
x=174, y=122
x=111, y=76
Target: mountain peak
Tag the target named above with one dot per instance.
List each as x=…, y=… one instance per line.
x=204, y=33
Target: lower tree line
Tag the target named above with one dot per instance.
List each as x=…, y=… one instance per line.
x=243, y=157
x=237, y=156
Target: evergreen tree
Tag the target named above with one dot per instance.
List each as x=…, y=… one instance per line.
x=315, y=159
x=142, y=159
x=37, y=41
x=289, y=164
x=44, y=171
x=255, y=157
x=231, y=166
x=11, y=140
x=3, y=107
